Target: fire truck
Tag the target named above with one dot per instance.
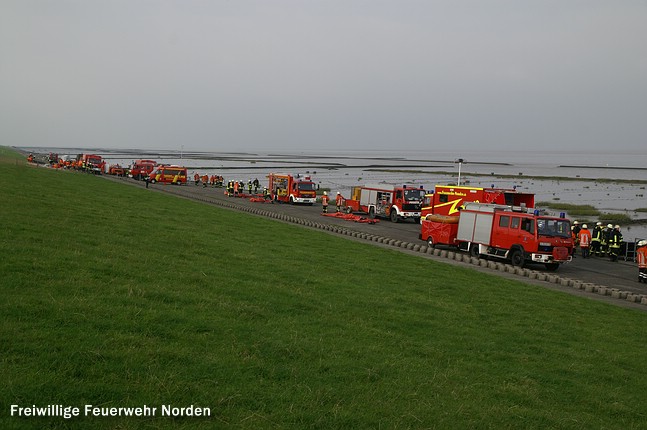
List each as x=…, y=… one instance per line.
x=175, y=175
x=90, y=162
x=391, y=202
x=448, y=199
x=290, y=189
x=511, y=233
x=141, y=168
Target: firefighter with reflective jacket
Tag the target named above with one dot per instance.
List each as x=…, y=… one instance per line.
x=339, y=201
x=324, y=202
x=604, y=245
x=641, y=258
x=615, y=240
x=596, y=239
x=584, y=237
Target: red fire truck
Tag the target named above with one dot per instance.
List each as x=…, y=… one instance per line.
x=141, y=168
x=90, y=163
x=394, y=203
x=290, y=189
x=506, y=232
x=448, y=199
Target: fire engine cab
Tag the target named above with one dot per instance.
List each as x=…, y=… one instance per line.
x=289, y=189
x=512, y=233
x=142, y=168
x=394, y=203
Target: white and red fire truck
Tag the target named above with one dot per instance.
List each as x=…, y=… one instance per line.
x=394, y=203
x=448, y=199
x=514, y=233
x=290, y=189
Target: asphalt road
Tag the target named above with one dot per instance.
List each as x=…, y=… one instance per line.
x=622, y=275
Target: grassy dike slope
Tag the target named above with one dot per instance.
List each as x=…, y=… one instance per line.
x=120, y=296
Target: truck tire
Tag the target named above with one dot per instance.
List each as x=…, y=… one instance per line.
x=291, y=200
x=552, y=266
x=394, y=215
x=430, y=242
x=474, y=250
x=517, y=258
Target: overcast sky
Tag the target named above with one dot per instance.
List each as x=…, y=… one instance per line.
x=324, y=75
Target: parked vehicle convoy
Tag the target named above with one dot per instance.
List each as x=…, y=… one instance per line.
x=140, y=169
x=506, y=232
x=292, y=189
x=448, y=199
x=392, y=202
x=176, y=175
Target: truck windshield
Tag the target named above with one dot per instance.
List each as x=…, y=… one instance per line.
x=307, y=186
x=554, y=227
x=414, y=195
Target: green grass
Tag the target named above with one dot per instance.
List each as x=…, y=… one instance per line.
x=121, y=296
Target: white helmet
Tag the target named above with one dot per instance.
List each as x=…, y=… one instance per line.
x=641, y=243
x=585, y=226
x=598, y=223
x=575, y=222
x=325, y=193
x=609, y=225
x=616, y=226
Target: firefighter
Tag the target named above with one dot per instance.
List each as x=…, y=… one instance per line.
x=604, y=245
x=236, y=184
x=641, y=258
x=266, y=194
x=339, y=200
x=596, y=239
x=584, y=237
x=576, y=235
x=256, y=185
x=205, y=180
x=249, y=186
x=615, y=240
x=324, y=202
x=196, y=178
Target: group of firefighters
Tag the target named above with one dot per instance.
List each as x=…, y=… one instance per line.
x=602, y=241
x=213, y=180
x=606, y=240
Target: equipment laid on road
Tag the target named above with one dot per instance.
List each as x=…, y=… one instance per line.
x=351, y=217
x=392, y=202
x=448, y=199
x=290, y=189
x=506, y=232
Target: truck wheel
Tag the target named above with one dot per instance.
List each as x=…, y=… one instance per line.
x=291, y=200
x=552, y=266
x=348, y=210
x=430, y=242
x=394, y=216
x=517, y=258
x=371, y=213
x=474, y=250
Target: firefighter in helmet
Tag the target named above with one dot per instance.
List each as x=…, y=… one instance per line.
x=339, y=201
x=615, y=240
x=584, y=237
x=641, y=258
x=324, y=202
x=596, y=239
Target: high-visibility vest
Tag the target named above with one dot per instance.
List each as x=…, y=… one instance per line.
x=641, y=256
x=585, y=238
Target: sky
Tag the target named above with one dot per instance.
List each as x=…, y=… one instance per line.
x=333, y=75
